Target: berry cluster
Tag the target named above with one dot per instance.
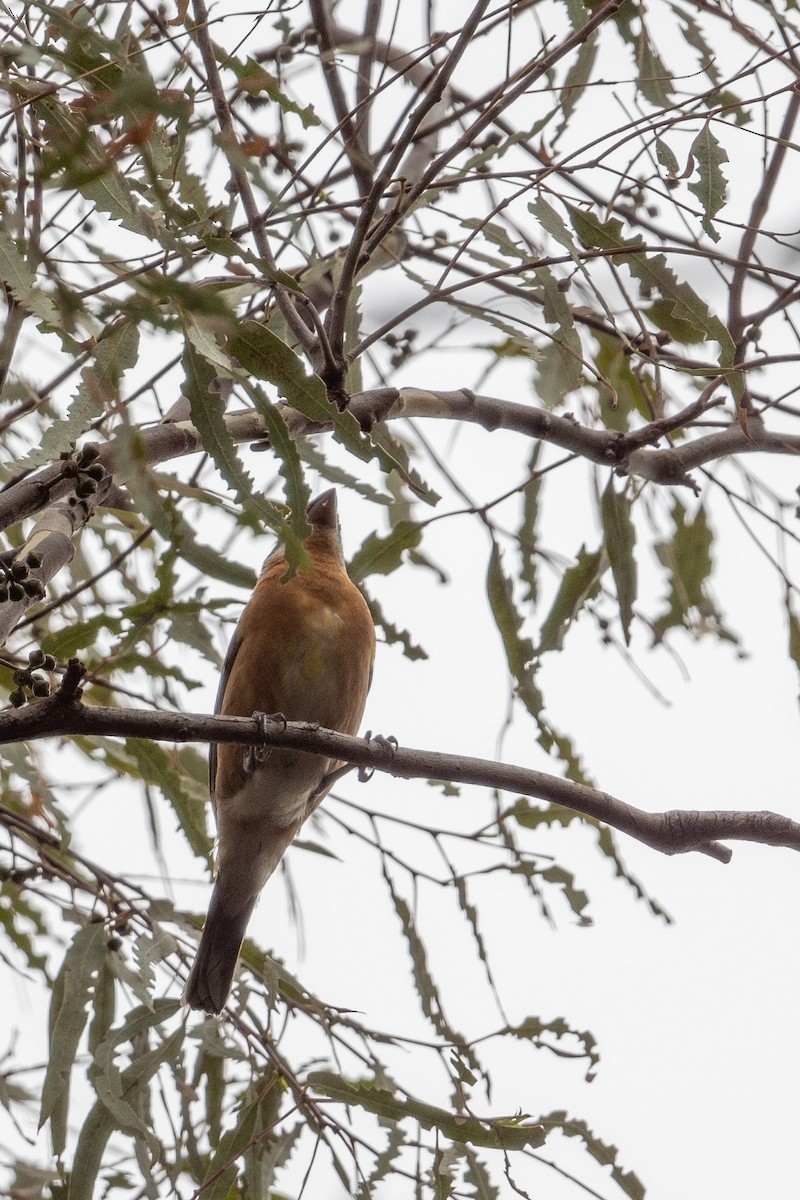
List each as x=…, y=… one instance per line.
x=30, y=680
x=84, y=468
x=15, y=581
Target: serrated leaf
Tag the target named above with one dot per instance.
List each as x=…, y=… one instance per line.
x=72, y=991
x=379, y=555
x=656, y=277
x=620, y=538
x=424, y=982
x=477, y=1176
x=103, y=1120
x=133, y=469
x=77, y=159
x=158, y=769
x=394, y=634
x=207, y=408
x=19, y=920
x=263, y=354
x=98, y=393
x=687, y=555
x=21, y=280
x=602, y=1152
x=501, y=1134
x=104, y=1006
x=519, y=650
x=254, y=79
x=667, y=159
x=67, y=642
x=621, y=391
x=578, y=77
x=566, y=346
x=578, y=584
x=535, y=1030
x=711, y=184
x=528, y=532
x=290, y=468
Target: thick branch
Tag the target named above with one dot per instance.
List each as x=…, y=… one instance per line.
x=624, y=452
x=670, y=832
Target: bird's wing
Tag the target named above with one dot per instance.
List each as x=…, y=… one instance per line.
x=227, y=667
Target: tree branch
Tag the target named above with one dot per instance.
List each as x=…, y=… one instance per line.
x=672, y=832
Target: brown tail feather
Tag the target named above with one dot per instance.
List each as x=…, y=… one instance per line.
x=212, y=974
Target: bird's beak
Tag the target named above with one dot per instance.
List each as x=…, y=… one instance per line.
x=323, y=510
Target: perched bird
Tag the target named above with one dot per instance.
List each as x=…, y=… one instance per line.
x=303, y=647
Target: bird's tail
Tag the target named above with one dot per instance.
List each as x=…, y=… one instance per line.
x=212, y=974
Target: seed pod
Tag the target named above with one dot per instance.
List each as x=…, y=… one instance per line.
x=17, y=698
x=16, y=591
x=19, y=569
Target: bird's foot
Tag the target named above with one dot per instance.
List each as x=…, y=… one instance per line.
x=389, y=744
x=255, y=755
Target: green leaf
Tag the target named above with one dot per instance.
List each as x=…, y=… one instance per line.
x=263, y=354
x=541, y=1034
x=566, y=346
x=687, y=555
x=290, y=467
x=667, y=159
x=78, y=162
x=72, y=991
x=499, y=589
x=21, y=923
x=578, y=584
x=103, y=1120
x=519, y=650
x=99, y=392
x=653, y=79
x=601, y=1151
x=711, y=184
x=254, y=79
x=498, y=1134
x=381, y=555
x=157, y=768
x=133, y=469
x=424, y=982
x=394, y=634
x=17, y=274
x=622, y=392
x=620, y=538
x=528, y=533
x=67, y=642
x=657, y=278
x=794, y=632
x=208, y=416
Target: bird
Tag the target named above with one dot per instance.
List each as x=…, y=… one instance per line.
x=304, y=648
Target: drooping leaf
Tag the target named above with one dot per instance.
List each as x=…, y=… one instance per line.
x=498, y=1134
x=579, y=583
x=527, y=534
x=620, y=538
x=711, y=185
x=72, y=992
x=565, y=362
x=687, y=555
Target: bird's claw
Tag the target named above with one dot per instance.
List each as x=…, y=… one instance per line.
x=389, y=744
x=255, y=755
